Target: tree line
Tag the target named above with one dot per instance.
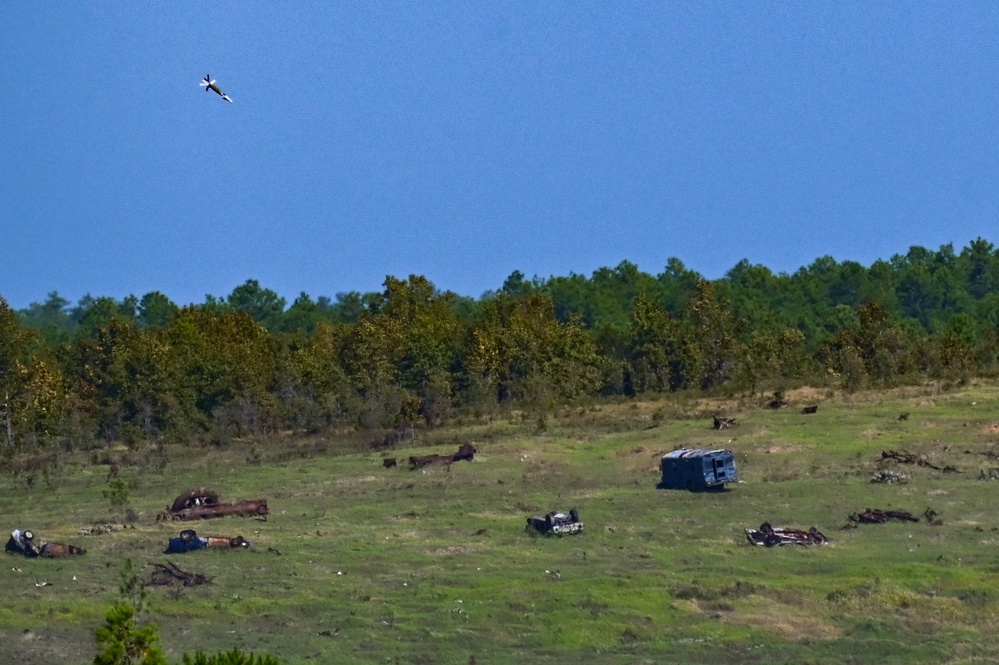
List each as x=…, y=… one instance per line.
x=413, y=356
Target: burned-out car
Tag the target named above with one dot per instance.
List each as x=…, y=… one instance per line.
x=769, y=536
x=555, y=524
x=190, y=541
x=203, y=504
x=24, y=543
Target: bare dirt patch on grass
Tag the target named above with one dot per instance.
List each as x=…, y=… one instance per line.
x=778, y=448
x=803, y=395
x=450, y=550
x=793, y=627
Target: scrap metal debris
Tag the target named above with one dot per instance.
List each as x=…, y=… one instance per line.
x=905, y=457
x=888, y=477
x=722, y=423
x=97, y=529
x=876, y=516
x=170, y=574
x=768, y=536
x=203, y=503
x=901, y=456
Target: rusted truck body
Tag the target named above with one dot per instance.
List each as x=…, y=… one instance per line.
x=202, y=504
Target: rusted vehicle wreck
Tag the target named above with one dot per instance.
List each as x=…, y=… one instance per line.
x=878, y=516
x=203, y=504
x=768, y=536
x=23, y=543
x=189, y=541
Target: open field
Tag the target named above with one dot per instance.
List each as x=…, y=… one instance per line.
x=361, y=564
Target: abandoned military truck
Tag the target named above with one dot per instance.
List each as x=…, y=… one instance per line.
x=697, y=470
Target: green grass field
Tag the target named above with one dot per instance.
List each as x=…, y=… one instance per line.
x=361, y=564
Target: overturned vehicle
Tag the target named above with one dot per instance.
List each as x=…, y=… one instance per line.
x=555, y=523
x=203, y=504
x=768, y=536
x=189, y=541
x=23, y=543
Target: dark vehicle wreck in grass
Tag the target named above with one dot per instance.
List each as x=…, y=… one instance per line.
x=697, y=470
x=23, y=543
x=553, y=523
x=878, y=516
x=768, y=536
x=204, y=504
x=466, y=453
x=190, y=541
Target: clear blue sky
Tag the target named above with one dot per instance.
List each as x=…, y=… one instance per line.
x=465, y=140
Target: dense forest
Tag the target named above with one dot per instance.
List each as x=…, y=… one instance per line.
x=412, y=356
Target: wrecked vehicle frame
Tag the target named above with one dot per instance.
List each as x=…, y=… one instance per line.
x=23, y=543
x=189, y=541
x=768, y=536
x=554, y=523
x=204, y=504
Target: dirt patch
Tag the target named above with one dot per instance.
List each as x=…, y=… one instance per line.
x=993, y=428
x=793, y=628
x=778, y=448
x=802, y=395
x=448, y=551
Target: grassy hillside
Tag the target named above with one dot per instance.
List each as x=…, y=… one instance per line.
x=361, y=564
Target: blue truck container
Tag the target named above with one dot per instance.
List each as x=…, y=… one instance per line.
x=697, y=470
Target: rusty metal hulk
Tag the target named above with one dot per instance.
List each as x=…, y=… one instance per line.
x=203, y=504
x=23, y=543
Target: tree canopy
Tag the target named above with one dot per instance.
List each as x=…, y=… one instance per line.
x=411, y=355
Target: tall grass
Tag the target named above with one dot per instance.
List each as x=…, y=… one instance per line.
x=361, y=564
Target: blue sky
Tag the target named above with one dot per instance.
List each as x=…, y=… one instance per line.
x=464, y=141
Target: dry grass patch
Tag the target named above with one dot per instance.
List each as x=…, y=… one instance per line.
x=450, y=550
x=787, y=623
x=806, y=394
x=779, y=448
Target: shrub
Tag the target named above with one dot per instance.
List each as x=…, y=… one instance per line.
x=117, y=493
x=234, y=657
x=123, y=643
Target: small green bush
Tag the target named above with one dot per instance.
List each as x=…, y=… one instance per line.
x=234, y=657
x=117, y=493
x=123, y=643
